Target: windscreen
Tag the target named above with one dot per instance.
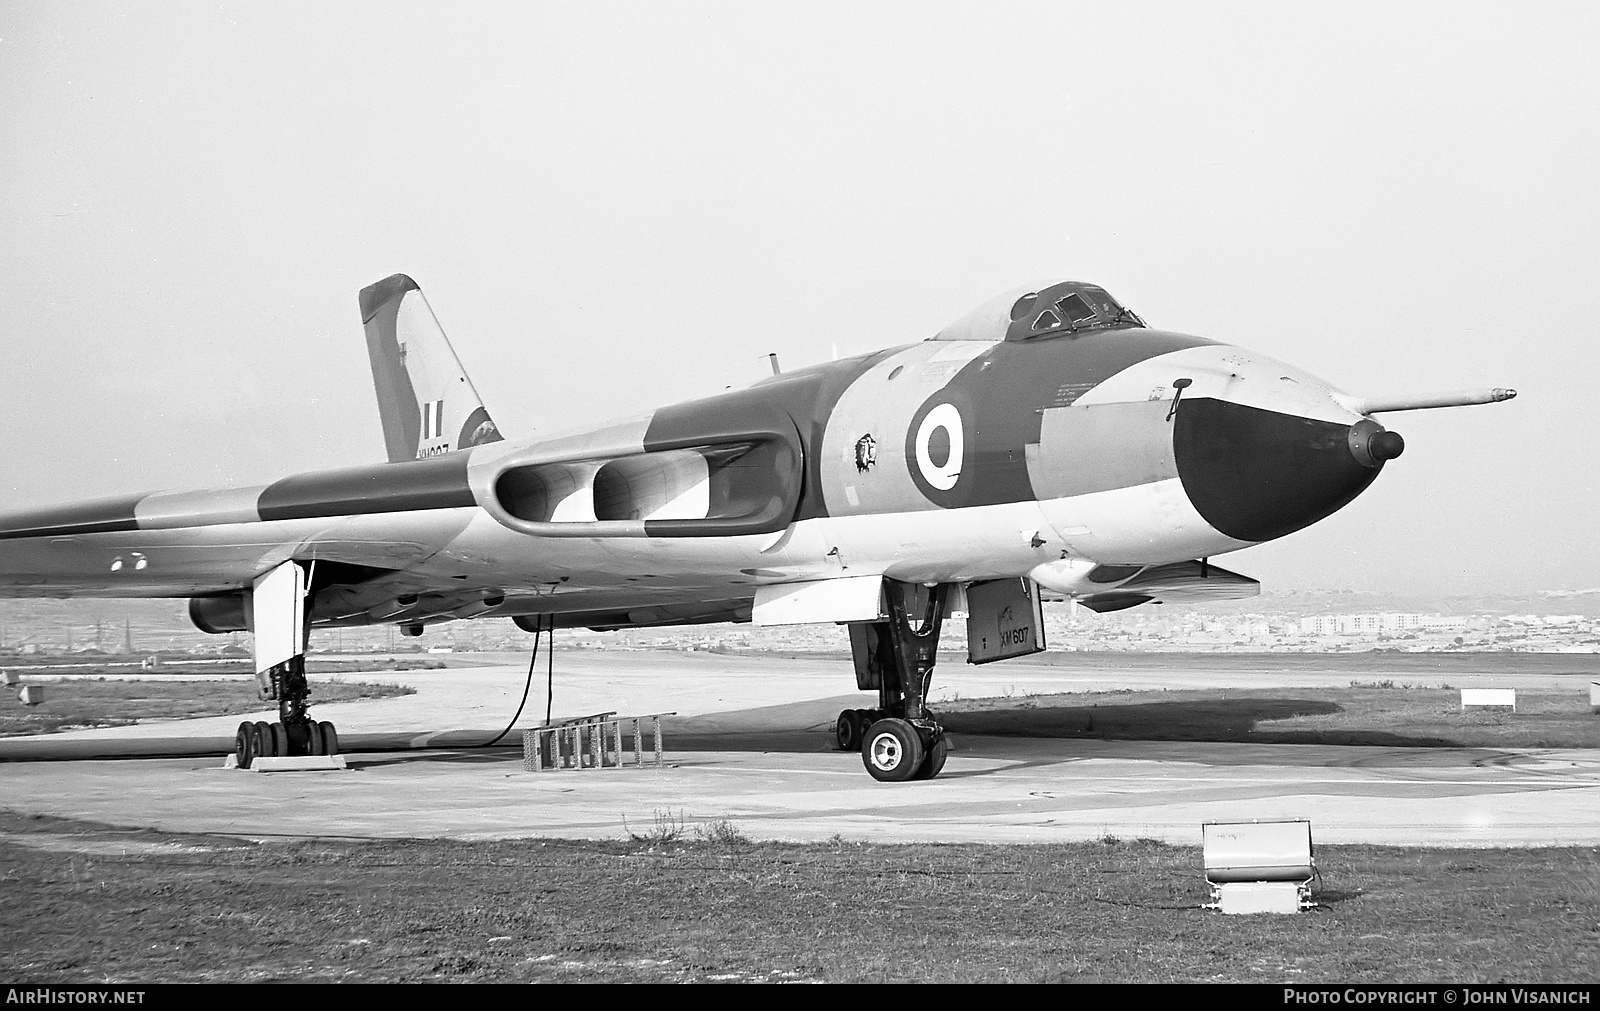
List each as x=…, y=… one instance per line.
x=1068, y=307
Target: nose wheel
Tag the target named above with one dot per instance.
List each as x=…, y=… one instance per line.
x=897, y=751
x=933, y=758
x=892, y=751
x=852, y=726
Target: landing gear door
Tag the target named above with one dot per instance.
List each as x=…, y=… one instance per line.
x=869, y=656
x=1005, y=619
x=278, y=606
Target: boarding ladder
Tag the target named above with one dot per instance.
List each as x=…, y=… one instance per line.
x=590, y=742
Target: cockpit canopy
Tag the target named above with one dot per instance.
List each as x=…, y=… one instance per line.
x=1063, y=307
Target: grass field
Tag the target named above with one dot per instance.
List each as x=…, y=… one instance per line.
x=1357, y=664
x=83, y=702
x=88, y=903
x=83, y=903
x=45, y=666
x=1394, y=715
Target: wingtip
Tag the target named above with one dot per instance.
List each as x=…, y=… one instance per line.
x=374, y=295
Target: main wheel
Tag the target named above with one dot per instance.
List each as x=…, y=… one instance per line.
x=933, y=761
x=298, y=738
x=263, y=738
x=280, y=740
x=244, y=745
x=892, y=751
x=848, y=730
x=330, y=738
x=314, y=745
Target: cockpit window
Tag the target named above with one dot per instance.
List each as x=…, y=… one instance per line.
x=1075, y=309
x=1061, y=309
x=1069, y=307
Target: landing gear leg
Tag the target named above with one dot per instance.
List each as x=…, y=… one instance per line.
x=902, y=739
x=295, y=733
x=279, y=605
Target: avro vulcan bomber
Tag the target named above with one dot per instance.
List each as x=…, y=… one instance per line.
x=1047, y=443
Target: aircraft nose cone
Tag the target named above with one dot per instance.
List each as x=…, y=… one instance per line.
x=1255, y=474
x=1372, y=444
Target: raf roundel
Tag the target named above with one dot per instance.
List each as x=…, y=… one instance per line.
x=940, y=445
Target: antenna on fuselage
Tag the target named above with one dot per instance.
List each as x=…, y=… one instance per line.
x=773, y=358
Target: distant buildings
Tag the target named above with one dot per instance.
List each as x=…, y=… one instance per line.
x=1371, y=624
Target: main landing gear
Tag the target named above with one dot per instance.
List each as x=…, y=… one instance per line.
x=295, y=732
x=899, y=740
x=279, y=603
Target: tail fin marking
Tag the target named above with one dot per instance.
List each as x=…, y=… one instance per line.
x=427, y=404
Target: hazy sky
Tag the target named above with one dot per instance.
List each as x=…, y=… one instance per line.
x=615, y=206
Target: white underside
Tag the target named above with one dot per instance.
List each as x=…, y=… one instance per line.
x=468, y=554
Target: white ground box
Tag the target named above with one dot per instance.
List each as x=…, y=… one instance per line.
x=290, y=763
x=1594, y=696
x=1489, y=697
x=1258, y=866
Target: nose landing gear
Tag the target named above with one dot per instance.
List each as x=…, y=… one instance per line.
x=901, y=739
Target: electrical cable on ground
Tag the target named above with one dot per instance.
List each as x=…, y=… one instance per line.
x=550, y=671
x=533, y=662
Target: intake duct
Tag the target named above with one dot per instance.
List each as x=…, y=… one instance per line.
x=741, y=484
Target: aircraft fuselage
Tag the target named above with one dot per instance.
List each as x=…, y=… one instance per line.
x=1003, y=447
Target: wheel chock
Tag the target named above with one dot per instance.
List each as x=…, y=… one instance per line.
x=294, y=763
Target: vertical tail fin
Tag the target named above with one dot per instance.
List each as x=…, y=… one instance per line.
x=426, y=402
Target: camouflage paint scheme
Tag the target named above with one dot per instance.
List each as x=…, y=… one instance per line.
x=1049, y=434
